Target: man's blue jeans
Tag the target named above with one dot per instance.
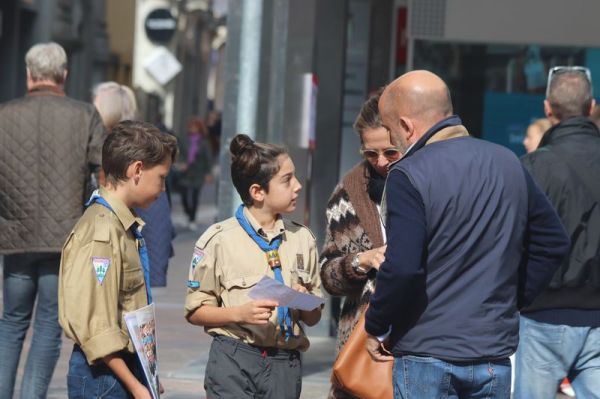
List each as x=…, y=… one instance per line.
x=27, y=276
x=548, y=352
x=430, y=378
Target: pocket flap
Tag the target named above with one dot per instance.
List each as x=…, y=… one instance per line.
x=132, y=280
x=243, y=282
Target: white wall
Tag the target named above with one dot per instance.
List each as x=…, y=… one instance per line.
x=545, y=22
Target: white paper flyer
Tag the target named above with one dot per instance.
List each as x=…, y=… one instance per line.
x=141, y=325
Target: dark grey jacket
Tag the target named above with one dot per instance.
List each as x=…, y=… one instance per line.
x=48, y=144
x=566, y=166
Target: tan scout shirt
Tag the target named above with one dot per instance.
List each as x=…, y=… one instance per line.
x=227, y=263
x=91, y=304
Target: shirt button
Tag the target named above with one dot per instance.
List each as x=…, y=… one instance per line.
x=218, y=227
x=243, y=283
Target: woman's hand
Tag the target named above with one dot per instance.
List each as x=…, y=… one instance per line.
x=377, y=351
x=372, y=258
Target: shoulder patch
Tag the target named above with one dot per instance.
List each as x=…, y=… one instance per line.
x=197, y=257
x=100, y=266
x=101, y=228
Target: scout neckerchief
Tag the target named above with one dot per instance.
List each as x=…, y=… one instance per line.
x=142, y=249
x=272, y=252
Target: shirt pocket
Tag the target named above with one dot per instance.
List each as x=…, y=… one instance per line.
x=237, y=289
x=132, y=284
x=132, y=280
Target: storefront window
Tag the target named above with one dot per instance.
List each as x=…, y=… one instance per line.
x=498, y=90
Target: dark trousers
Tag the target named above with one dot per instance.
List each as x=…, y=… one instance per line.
x=238, y=370
x=189, y=199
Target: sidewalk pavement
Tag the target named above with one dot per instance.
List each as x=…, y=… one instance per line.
x=183, y=348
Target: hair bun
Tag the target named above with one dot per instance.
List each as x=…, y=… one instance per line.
x=239, y=144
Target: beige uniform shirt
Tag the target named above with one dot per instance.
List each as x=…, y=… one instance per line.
x=227, y=263
x=101, y=277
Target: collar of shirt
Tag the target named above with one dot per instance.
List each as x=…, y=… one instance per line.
x=277, y=230
x=123, y=213
x=41, y=90
x=453, y=120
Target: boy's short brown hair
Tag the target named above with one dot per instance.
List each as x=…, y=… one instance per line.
x=131, y=141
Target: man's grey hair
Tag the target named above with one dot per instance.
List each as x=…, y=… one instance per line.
x=47, y=61
x=570, y=94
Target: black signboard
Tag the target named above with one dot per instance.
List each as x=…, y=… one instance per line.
x=160, y=25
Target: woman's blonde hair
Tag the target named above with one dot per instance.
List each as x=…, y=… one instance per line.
x=543, y=124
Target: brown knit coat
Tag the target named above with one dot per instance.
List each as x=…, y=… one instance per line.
x=353, y=225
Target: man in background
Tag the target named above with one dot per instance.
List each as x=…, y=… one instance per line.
x=51, y=145
x=560, y=330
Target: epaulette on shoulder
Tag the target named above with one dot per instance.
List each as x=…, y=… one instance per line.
x=295, y=226
x=213, y=231
x=101, y=227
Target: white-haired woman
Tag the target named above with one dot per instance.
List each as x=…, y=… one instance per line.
x=115, y=103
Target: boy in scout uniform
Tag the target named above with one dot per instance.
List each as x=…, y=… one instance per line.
x=256, y=345
x=104, y=270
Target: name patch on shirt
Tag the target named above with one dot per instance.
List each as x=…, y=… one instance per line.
x=300, y=261
x=198, y=256
x=100, y=267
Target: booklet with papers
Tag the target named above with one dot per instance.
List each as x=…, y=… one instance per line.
x=268, y=288
x=142, y=330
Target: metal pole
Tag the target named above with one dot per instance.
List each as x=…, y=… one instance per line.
x=241, y=98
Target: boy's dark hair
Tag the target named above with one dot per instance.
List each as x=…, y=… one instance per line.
x=131, y=141
x=253, y=163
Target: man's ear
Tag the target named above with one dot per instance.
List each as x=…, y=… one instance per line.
x=592, y=106
x=29, y=79
x=548, y=109
x=408, y=127
x=257, y=193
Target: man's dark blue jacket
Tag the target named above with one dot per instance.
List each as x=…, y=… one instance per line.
x=470, y=240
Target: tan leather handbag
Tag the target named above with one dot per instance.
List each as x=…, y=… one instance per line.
x=355, y=372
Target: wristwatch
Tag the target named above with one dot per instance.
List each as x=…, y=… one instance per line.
x=356, y=265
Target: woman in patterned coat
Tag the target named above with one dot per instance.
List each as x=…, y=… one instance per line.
x=355, y=239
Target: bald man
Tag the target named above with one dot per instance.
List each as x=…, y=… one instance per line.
x=470, y=239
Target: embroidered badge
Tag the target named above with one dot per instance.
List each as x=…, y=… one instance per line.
x=198, y=256
x=100, y=267
x=193, y=284
x=300, y=261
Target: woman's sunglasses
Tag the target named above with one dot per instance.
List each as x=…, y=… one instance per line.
x=391, y=154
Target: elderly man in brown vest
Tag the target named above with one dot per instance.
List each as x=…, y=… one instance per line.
x=51, y=145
